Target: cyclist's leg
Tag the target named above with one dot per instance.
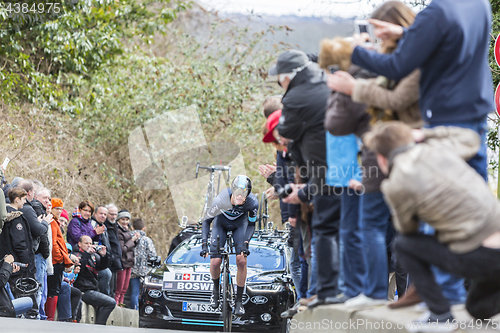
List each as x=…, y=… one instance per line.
x=241, y=261
x=218, y=229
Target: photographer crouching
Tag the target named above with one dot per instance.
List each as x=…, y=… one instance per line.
x=92, y=259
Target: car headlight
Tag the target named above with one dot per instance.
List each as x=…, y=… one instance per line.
x=153, y=280
x=269, y=287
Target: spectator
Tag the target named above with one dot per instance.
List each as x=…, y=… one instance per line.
x=278, y=176
x=41, y=201
x=80, y=224
x=443, y=68
x=449, y=42
x=271, y=104
x=60, y=260
x=6, y=188
x=8, y=307
x=104, y=275
x=63, y=220
x=127, y=243
x=144, y=250
x=39, y=227
x=302, y=121
x=467, y=221
x=43, y=206
x=115, y=251
x=68, y=308
x=91, y=262
x=16, y=239
x=345, y=121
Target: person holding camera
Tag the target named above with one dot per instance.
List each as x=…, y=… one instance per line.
x=8, y=307
x=301, y=127
x=16, y=239
x=93, y=258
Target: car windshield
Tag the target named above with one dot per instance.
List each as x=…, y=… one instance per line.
x=261, y=256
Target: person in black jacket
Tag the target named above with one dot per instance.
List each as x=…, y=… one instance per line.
x=115, y=250
x=104, y=275
x=8, y=307
x=38, y=220
x=91, y=262
x=301, y=127
x=16, y=239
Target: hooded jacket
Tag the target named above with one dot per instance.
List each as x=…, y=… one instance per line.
x=302, y=120
x=16, y=239
x=6, y=306
x=38, y=229
x=127, y=245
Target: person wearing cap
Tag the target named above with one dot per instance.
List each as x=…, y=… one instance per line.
x=302, y=122
x=63, y=220
x=60, y=260
x=127, y=243
x=278, y=177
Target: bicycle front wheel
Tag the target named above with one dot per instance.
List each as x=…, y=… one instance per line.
x=227, y=297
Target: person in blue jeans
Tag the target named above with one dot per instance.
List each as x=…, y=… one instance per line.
x=343, y=167
x=144, y=250
x=449, y=41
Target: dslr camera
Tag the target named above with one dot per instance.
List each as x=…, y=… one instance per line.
x=283, y=192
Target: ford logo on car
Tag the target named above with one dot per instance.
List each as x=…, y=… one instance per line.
x=259, y=299
x=155, y=293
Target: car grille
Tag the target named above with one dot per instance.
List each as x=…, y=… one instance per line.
x=194, y=296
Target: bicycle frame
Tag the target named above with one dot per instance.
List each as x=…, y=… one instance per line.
x=210, y=195
x=227, y=282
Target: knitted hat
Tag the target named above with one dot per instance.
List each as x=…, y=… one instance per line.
x=64, y=214
x=56, y=202
x=123, y=213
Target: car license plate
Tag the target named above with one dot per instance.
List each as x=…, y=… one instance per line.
x=198, y=307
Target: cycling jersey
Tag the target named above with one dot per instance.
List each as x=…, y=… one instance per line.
x=240, y=219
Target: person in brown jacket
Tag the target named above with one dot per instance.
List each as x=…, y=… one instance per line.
x=346, y=116
x=60, y=260
x=431, y=181
x=127, y=243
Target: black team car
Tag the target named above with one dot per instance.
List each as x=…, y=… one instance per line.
x=177, y=295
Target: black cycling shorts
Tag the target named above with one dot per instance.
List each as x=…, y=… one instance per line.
x=220, y=226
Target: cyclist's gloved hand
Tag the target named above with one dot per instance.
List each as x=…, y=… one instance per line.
x=245, y=249
x=204, y=250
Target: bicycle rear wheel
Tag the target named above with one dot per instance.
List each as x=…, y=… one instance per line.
x=227, y=311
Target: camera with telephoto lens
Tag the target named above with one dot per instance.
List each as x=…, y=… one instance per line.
x=20, y=264
x=283, y=192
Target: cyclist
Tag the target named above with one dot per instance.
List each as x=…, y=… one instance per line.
x=234, y=209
